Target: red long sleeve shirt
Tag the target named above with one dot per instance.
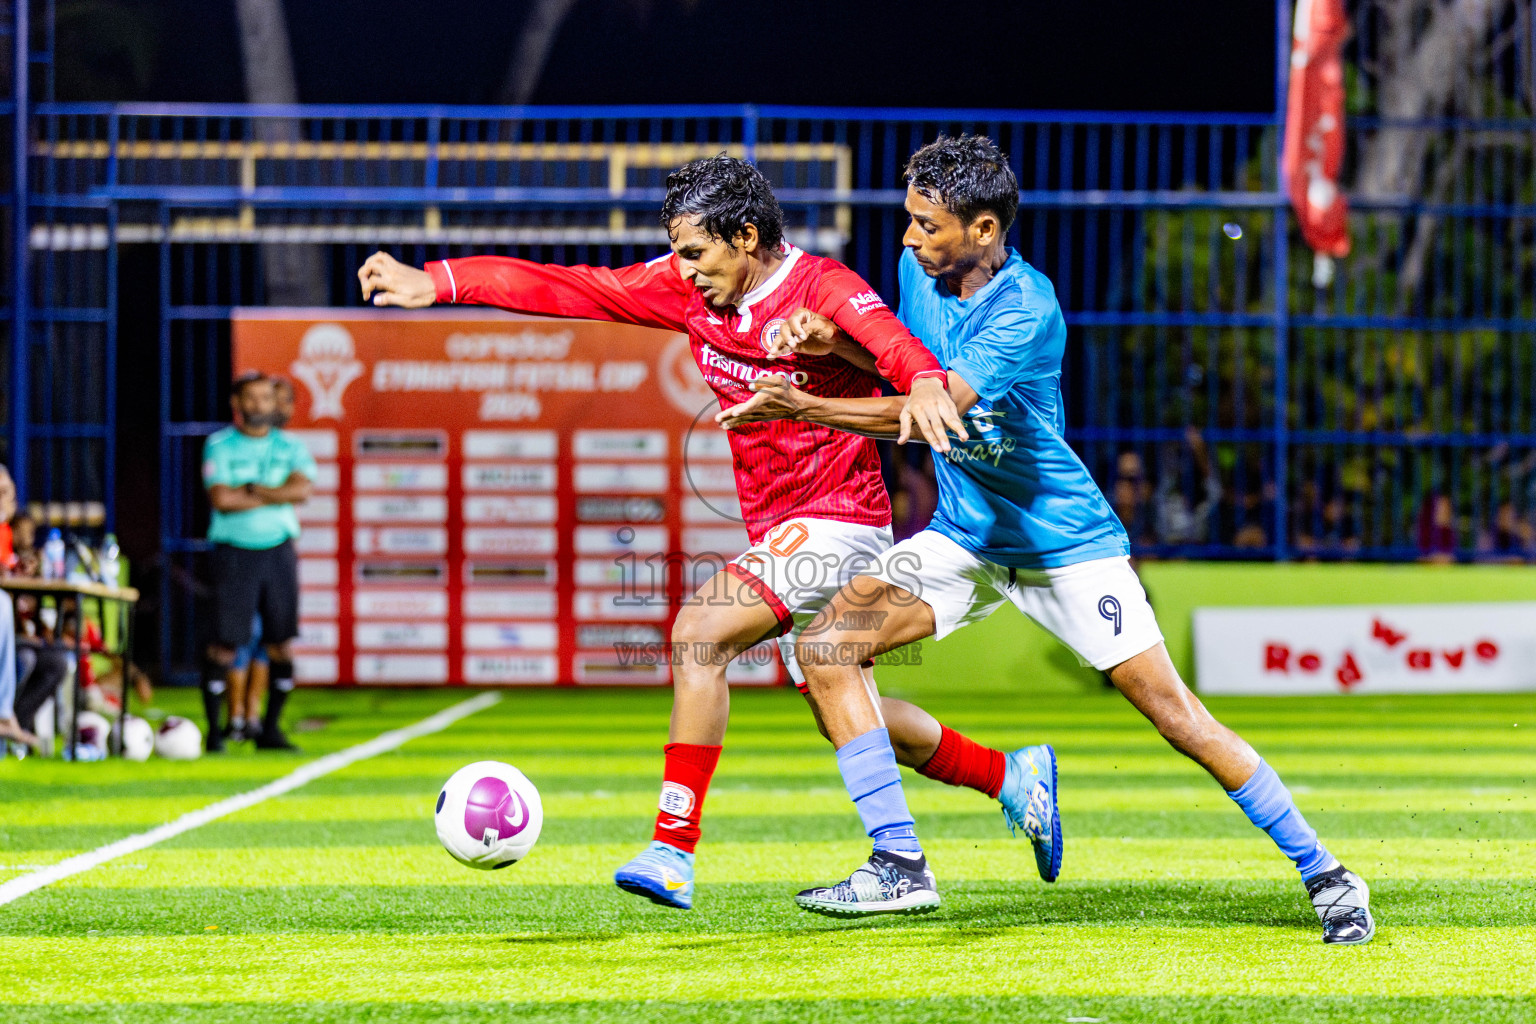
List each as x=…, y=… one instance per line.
x=784, y=470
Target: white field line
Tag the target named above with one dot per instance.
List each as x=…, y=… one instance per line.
x=16, y=888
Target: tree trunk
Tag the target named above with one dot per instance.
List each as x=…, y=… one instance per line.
x=295, y=273
x=533, y=46
x=1420, y=69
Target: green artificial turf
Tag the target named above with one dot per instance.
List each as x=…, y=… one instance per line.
x=335, y=902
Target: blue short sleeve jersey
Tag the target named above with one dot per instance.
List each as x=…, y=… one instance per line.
x=1016, y=494
x=234, y=459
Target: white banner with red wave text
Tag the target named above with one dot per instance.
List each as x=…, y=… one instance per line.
x=1309, y=651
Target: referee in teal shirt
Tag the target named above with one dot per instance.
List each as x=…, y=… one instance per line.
x=255, y=475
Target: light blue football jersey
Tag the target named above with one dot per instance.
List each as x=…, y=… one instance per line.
x=1016, y=494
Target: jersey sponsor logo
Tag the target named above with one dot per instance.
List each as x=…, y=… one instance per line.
x=981, y=451
x=789, y=539
x=327, y=364
x=676, y=799
x=717, y=368
x=990, y=446
x=1109, y=608
x=772, y=331
x=865, y=301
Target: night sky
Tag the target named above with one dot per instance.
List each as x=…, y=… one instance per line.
x=1190, y=55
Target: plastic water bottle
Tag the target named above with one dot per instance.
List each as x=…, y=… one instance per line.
x=76, y=569
x=108, y=560
x=53, y=555
x=81, y=564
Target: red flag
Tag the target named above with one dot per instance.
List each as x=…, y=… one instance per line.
x=1314, y=125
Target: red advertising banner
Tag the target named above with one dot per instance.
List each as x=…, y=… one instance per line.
x=501, y=499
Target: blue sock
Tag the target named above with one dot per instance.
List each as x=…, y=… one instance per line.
x=869, y=770
x=1268, y=805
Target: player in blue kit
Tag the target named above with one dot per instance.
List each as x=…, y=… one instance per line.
x=1019, y=519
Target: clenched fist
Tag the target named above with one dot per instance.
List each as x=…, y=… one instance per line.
x=388, y=282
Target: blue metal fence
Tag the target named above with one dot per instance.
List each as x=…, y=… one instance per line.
x=1229, y=406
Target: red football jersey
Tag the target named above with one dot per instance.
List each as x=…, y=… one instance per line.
x=784, y=470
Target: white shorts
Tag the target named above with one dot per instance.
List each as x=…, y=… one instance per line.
x=1097, y=608
x=801, y=564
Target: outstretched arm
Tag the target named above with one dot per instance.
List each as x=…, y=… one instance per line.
x=650, y=294
x=886, y=417
x=388, y=282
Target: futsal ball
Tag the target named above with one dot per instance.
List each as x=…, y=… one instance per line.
x=138, y=738
x=179, y=739
x=489, y=815
x=94, y=731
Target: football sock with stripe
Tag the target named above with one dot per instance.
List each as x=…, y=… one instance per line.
x=214, y=686
x=277, y=695
x=685, y=781
x=869, y=771
x=1269, y=805
x=961, y=761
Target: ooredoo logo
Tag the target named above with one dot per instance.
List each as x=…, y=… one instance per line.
x=327, y=364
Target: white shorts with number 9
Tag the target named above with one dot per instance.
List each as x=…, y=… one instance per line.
x=1097, y=608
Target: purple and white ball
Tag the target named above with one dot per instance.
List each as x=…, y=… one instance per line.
x=489, y=815
x=179, y=739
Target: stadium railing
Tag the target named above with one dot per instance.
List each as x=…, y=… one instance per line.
x=1334, y=417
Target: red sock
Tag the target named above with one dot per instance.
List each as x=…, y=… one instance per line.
x=686, y=780
x=964, y=762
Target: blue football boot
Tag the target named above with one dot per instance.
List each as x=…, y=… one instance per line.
x=1028, y=797
x=662, y=874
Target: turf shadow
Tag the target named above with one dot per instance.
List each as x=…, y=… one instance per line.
x=553, y=910
x=934, y=1010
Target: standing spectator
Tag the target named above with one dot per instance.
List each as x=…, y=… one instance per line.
x=1255, y=511
x=252, y=669
x=282, y=389
x=255, y=474
x=29, y=672
x=1132, y=497
x=1437, y=528
x=8, y=559
x=247, y=680
x=1177, y=517
x=1508, y=538
x=10, y=728
x=25, y=559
